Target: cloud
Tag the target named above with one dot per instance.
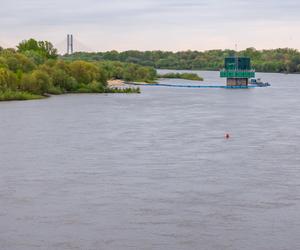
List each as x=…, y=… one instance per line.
x=149, y=24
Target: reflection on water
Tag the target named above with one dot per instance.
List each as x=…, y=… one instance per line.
x=153, y=171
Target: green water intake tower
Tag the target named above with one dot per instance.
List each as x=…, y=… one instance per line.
x=238, y=71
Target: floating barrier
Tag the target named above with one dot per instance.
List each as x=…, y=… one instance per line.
x=192, y=86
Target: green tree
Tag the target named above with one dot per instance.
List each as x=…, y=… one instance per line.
x=62, y=80
x=44, y=48
x=17, y=61
x=84, y=72
x=8, y=80
x=37, y=82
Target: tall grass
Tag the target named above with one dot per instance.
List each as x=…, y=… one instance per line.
x=91, y=88
x=9, y=95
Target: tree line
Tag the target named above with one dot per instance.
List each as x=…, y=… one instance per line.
x=273, y=60
x=186, y=76
x=34, y=70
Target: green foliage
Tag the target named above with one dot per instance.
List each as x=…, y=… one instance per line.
x=38, y=82
x=20, y=62
x=277, y=60
x=55, y=90
x=35, y=56
x=10, y=95
x=8, y=80
x=125, y=90
x=15, y=61
x=128, y=71
x=34, y=71
x=93, y=87
x=85, y=72
x=43, y=48
x=61, y=79
x=187, y=76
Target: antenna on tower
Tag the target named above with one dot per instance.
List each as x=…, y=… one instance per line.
x=236, y=57
x=70, y=44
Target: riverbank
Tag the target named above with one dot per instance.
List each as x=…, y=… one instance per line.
x=113, y=88
x=9, y=95
x=34, y=72
x=183, y=76
x=116, y=83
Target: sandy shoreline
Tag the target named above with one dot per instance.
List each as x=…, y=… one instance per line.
x=123, y=84
x=116, y=83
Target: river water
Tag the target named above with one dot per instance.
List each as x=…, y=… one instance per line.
x=153, y=171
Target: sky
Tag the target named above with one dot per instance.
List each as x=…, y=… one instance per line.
x=173, y=25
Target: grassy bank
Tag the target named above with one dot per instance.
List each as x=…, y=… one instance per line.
x=107, y=90
x=9, y=95
x=185, y=76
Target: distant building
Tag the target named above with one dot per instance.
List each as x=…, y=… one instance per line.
x=238, y=71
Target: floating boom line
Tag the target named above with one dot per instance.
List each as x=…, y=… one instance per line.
x=192, y=86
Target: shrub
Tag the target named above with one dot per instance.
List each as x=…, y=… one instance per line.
x=37, y=82
x=8, y=80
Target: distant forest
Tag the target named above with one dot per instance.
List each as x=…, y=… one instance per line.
x=275, y=60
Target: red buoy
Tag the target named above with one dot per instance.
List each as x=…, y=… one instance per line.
x=227, y=136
